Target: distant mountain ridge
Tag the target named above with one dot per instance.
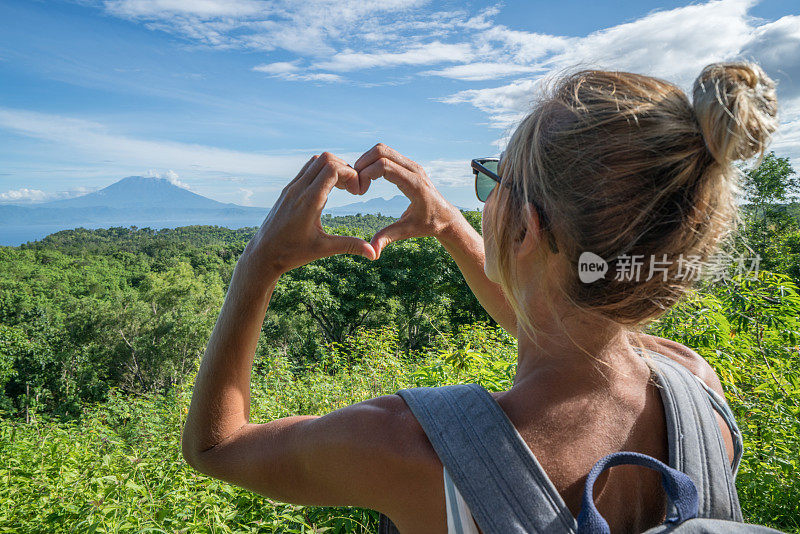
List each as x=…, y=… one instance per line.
x=393, y=207
x=155, y=202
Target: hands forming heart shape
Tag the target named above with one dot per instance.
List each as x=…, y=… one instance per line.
x=292, y=233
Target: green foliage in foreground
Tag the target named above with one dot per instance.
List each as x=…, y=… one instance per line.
x=127, y=473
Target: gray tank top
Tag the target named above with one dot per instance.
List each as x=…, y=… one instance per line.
x=506, y=488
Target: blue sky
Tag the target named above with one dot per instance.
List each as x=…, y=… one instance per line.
x=230, y=97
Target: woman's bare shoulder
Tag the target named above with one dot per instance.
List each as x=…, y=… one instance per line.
x=684, y=356
x=414, y=488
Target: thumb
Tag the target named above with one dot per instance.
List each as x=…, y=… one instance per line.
x=340, y=244
x=394, y=232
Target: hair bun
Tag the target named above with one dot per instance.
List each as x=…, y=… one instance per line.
x=737, y=108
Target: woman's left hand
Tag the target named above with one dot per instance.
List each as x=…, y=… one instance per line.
x=292, y=233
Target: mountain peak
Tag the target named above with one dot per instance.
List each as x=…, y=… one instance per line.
x=149, y=179
x=139, y=192
x=140, y=178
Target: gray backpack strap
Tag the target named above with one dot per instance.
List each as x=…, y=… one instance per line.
x=696, y=446
x=711, y=526
x=489, y=462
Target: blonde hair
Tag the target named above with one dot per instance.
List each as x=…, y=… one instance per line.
x=624, y=165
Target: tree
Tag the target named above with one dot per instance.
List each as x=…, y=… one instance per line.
x=163, y=328
x=772, y=182
x=27, y=373
x=413, y=273
x=339, y=293
x=770, y=191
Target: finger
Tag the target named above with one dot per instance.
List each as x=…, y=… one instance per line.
x=303, y=170
x=326, y=158
x=382, y=151
x=339, y=244
x=364, y=182
x=286, y=189
x=332, y=174
x=405, y=180
x=396, y=231
x=352, y=183
x=311, y=172
x=347, y=180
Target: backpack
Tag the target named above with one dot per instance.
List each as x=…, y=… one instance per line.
x=508, y=492
x=682, y=496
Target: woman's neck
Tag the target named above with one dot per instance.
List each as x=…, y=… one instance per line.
x=575, y=350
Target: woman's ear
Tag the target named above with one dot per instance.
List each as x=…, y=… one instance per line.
x=529, y=238
x=523, y=231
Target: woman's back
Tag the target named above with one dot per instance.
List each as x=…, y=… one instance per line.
x=569, y=430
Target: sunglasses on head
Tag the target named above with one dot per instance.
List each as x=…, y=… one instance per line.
x=487, y=177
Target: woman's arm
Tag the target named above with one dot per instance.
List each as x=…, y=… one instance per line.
x=288, y=238
x=372, y=454
x=430, y=214
x=345, y=458
x=220, y=404
x=465, y=245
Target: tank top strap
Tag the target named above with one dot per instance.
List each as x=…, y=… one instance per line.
x=696, y=446
x=459, y=516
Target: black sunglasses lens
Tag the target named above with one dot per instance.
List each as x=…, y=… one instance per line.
x=484, y=184
x=491, y=165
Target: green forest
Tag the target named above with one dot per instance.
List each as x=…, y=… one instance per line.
x=102, y=332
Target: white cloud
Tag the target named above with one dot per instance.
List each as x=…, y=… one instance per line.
x=34, y=196
x=289, y=71
x=424, y=54
x=234, y=179
x=341, y=35
x=330, y=37
x=316, y=77
x=449, y=173
x=335, y=36
x=482, y=71
x=521, y=46
x=776, y=46
x=94, y=139
x=674, y=45
x=247, y=196
x=203, y=9
x=787, y=143
x=170, y=175
x=281, y=67
x=787, y=139
x=505, y=104
x=24, y=195
x=482, y=21
x=307, y=27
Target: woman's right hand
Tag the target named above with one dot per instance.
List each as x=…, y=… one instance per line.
x=429, y=213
